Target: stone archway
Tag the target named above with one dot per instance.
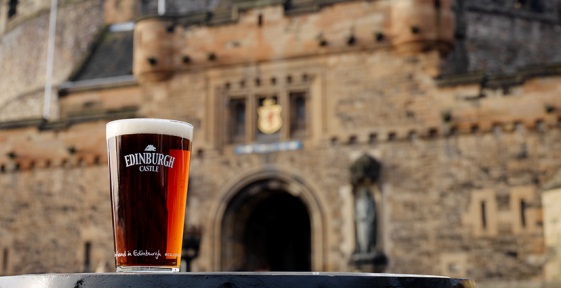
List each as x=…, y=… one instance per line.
x=242, y=189
x=266, y=228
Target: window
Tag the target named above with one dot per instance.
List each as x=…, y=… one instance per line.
x=5, y=261
x=12, y=8
x=237, y=120
x=87, y=256
x=298, y=114
x=483, y=215
x=523, y=207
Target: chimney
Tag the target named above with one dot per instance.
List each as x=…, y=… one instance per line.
x=120, y=11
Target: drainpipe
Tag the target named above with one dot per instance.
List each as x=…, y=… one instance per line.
x=50, y=58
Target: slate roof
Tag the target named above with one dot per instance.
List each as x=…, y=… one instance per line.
x=110, y=57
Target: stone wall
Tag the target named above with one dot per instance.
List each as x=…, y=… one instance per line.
x=55, y=202
x=23, y=53
x=497, y=37
x=392, y=99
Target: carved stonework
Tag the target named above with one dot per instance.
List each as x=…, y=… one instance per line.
x=365, y=174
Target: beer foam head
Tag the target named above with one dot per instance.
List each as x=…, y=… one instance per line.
x=149, y=126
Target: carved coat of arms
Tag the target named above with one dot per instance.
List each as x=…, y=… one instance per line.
x=269, y=120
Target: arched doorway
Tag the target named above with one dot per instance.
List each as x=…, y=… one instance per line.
x=277, y=235
x=266, y=228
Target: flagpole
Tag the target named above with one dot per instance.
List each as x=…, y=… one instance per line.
x=161, y=7
x=50, y=58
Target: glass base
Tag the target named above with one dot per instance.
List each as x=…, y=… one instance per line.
x=146, y=269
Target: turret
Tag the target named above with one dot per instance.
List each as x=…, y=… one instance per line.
x=422, y=25
x=153, y=58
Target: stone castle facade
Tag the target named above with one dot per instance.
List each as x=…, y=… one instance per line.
x=454, y=105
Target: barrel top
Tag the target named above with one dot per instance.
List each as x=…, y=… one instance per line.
x=149, y=126
x=234, y=279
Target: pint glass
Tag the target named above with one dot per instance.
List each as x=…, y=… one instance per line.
x=148, y=173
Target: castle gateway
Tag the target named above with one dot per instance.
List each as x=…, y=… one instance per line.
x=399, y=136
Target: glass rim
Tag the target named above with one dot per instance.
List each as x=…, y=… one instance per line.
x=149, y=126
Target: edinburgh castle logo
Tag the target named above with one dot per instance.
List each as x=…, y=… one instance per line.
x=149, y=160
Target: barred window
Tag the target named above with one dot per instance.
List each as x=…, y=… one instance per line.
x=298, y=114
x=237, y=120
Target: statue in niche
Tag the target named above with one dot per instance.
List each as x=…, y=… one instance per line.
x=365, y=173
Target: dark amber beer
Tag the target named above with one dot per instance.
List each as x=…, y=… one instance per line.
x=148, y=173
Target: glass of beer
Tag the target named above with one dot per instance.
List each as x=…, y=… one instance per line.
x=148, y=173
